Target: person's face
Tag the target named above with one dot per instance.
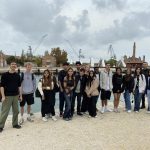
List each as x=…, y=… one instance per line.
x=78, y=66
x=65, y=67
x=118, y=71
x=70, y=72
x=29, y=67
x=13, y=66
x=81, y=73
x=107, y=66
x=46, y=74
x=145, y=65
x=87, y=68
x=138, y=70
x=91, y=74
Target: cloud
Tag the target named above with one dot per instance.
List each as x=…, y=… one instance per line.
x=110, y=4
x=134, y=25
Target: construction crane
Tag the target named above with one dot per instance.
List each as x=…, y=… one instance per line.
x=111, y=52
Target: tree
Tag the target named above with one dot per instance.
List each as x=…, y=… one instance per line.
x=112, y=62
x=10, y=59
x=60, y=55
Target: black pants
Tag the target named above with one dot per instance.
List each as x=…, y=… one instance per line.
x=61, y=101
x=47, y=105
x=92, y=106
x=84, y=106
x=78, y=95
x=143, y=100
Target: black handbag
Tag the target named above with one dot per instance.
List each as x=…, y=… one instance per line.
x=37, y=93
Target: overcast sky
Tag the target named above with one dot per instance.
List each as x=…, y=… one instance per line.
x=90, y=25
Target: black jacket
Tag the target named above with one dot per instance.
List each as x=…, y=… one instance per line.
x=128, y=84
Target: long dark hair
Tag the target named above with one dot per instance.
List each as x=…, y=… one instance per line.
x=90, y=79
x=47, y=81
x=128, y=76
x=135, y=73
x=72, y=77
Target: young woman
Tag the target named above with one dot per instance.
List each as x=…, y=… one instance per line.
x=69, y=84
x=139, y=88
x=128, y=85
x=46, y=87
x=117, y=81
x=148, y=90
x=92, y=93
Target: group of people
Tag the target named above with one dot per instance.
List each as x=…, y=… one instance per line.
x=82, y=85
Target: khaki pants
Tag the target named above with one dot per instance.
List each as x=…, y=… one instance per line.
x=6, y=105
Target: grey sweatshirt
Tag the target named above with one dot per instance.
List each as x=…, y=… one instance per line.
x=28, y=85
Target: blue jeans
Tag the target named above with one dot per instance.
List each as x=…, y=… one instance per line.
x=137, y=100
x=68, y=100
x=127, y=100
x=61, y=101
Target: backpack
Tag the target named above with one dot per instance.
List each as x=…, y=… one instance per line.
x=22, y=76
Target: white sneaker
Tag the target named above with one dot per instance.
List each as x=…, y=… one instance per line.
x=21, y=121
x=44, y=119
x=102, y=110
x=54, y=118
x=107, y=110
x=29, y=119
x=137, y=111
x=129, y=111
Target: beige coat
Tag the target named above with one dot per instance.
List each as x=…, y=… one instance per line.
x=93, y=90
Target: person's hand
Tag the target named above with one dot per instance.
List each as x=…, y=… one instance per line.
x=3, y=98
x=20, y=98
x=43, y=98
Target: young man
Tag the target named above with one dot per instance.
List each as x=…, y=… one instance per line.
x=61, y=76
x=80, y=83
x=28, y=85
x=145, y=72
x=106, y=87
x=11, y=92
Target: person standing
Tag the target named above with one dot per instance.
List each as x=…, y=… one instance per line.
x=61, y=76
x=145, y=72
x=148, y=90
x=92, y=93
x=69, y=84
x=46, y=87
x=106, y=87
x=11, y=92
x=80, y=83
x=84, y=105
x=28, y=85
x=117, y=81
x=139, y=88
x=128, y=85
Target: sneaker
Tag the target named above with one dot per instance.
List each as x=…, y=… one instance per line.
x=95, y=116
x=21, y=121
x=17, y=126
x=66, y=119
x=116, y=110
x=47, y=116
x=44, y=119
x=137, y=111
x=1, y=129
x=102, y=110
x=29, y=119
x=79, y=113
x=54, y=118
x=129, y=111
x=61, y=114
x=107, y=110
x=89, y=116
